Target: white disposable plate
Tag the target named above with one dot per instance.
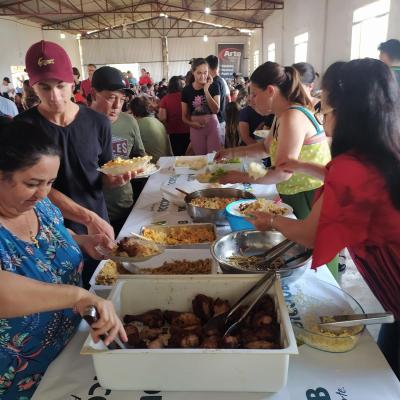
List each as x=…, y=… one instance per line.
x=234, y=207
x=262, y=133
x=188, y=169
x=149, y=169
x=133, y=259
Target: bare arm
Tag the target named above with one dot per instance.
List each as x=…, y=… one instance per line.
x=253, y=150
x=300, y=231
x=292, y=133
x=34, y=296
x=186, y=117
x=162, y=114
x=308, y=168
x=81, y=215
x=244, y=132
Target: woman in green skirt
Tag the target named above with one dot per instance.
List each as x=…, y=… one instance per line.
x=295, y=134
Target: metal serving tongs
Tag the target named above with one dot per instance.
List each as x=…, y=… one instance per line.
x=224, y=322
x=273, y=253
x=90, y=315
x=342, y=321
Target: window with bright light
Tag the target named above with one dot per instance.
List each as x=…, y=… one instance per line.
x=370, y=27
x=18, y=75
x=300, y=47
x=256, y=59
x=271, y=52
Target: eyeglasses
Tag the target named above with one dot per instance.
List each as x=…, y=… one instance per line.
x=320, y=115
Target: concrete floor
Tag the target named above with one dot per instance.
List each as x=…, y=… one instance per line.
x=353, y=283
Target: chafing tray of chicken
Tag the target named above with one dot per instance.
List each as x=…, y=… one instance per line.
x=199, y=368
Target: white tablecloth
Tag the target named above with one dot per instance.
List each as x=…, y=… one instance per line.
x=361, y=374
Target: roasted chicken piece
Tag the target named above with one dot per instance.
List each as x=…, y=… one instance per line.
x=152, y=318
x=203, y=307
x=184, y=340
x=269, y=333
x=159, y=343
x=150, y=333
x=230, y=342
x=266, y=304
x=195, y=329
x=133, y=335
x=210, y=342
x=261, y=319
x=184, y=319
x=220, y=306
x=260, y=344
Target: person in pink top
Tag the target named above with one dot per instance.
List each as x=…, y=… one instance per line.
x=86, y=85
x=170, y=113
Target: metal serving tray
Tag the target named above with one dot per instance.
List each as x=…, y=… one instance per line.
x=203, y=245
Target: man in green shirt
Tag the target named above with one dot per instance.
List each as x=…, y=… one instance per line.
x=108, y=95
x=152, y=131
x=389, y=53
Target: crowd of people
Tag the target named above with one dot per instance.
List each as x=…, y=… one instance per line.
x=335, y=156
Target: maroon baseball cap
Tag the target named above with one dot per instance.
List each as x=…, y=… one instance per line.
x=47, y=60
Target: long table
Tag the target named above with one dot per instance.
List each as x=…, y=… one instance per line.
x=361, y=374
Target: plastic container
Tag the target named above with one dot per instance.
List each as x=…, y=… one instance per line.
x=237, y=222
x=228, y=370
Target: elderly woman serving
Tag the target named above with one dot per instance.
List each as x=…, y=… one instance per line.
x=40, y=265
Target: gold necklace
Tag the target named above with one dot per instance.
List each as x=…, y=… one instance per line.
x=32, y=236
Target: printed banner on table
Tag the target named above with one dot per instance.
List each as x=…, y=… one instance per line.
x=230, y=59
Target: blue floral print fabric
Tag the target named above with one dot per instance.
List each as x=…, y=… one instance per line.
x=29, y=344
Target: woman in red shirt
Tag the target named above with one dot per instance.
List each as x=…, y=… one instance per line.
x=170, y=113
x=359, y=205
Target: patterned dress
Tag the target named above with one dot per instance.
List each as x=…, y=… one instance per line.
x=29, y=344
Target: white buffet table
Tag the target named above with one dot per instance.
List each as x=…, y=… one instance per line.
x=361, y=374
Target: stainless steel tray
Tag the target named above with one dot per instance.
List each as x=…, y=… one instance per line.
x=202, y=245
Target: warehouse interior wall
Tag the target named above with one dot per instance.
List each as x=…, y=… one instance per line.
x=21, y=35
x=329, y=25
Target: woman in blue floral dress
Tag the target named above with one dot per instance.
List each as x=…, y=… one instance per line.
x=40, y=265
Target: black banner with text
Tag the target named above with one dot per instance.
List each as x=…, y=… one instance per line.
x=230, y=59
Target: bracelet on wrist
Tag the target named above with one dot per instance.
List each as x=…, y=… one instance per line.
x=271, y=222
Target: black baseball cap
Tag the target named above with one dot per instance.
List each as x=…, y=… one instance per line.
x=109, y=78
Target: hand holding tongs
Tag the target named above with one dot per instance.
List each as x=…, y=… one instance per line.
x=90, y=315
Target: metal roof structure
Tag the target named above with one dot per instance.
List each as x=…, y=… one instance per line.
x=118, y=19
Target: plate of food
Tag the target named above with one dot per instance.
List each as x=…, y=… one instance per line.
x=243, y=208
x=190, y=164
x=133, y=249
x=120, y=165
x=148, y=170
x=212, y=176
x=262, y=133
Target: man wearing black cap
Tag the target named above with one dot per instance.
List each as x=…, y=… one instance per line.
x=108, y=96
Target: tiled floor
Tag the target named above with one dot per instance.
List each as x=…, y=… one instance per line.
x=353, y=283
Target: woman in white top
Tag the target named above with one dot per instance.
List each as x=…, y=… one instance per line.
x=7, y=88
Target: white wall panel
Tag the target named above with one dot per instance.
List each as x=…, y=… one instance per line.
x=329, y=24
x=18, y=36
x=121, y=51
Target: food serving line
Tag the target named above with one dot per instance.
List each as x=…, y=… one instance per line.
x=362, y=373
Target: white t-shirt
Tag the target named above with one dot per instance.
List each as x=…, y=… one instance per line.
x=7, y=89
